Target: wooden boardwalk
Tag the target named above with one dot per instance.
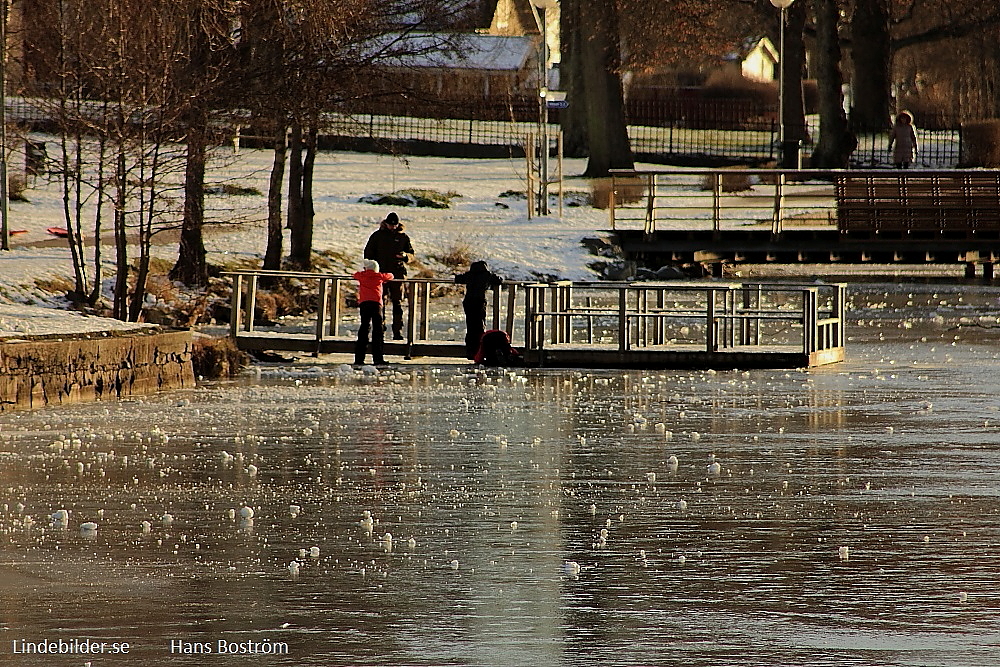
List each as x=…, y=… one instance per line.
x=719, y=217
x=582, y=325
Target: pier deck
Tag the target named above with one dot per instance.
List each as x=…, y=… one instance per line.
x=584, y=325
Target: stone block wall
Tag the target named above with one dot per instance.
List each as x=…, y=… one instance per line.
x=41, y=372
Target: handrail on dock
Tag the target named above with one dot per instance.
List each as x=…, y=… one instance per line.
x=645, y=315
x=332, y=290
x=626, y=319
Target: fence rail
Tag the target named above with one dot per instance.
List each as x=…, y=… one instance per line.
x=722, y=133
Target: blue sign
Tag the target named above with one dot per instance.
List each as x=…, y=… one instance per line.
x=557, y=104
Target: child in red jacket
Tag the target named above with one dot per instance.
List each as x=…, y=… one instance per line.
x=370, y=305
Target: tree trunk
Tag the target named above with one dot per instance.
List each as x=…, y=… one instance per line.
x=119, y=306
x=272, y=255
x=305, y=234
x=872, y=57
x=605, y=103
x=191, y=267
x=298, y=254
x=572, y=119
x=836, y=141
x=793, y=64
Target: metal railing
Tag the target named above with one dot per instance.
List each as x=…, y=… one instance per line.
x=615, y=317
x=332, y=317
x=717, y=317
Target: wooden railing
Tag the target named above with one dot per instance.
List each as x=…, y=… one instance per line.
x=733, y=199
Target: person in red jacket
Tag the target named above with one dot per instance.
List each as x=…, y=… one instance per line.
x=370, y=306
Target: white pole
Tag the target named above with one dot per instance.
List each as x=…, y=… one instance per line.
x=4, y=223
x=543, y=85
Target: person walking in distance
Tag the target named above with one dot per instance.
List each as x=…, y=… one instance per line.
x=370, y=281
x=477, y=280
x=904, y=138
x=392, y=249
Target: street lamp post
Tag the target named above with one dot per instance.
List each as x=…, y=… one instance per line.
x=783, y=5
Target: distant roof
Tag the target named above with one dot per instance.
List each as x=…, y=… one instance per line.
x=470, y=51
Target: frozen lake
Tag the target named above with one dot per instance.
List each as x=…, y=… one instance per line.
x=528, y=517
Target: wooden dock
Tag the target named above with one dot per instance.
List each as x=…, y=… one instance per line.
x=760, y=216
x=581, y=325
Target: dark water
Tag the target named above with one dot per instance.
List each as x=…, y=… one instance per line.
x=854, y=519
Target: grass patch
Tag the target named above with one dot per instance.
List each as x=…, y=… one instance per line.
x=233, y=190
x=55, y=284
x=333, y=261
x=16, y=185
x=457, y=257
x=412, y=197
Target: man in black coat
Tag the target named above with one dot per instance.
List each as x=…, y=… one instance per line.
x=477, y=280
x=392, y=249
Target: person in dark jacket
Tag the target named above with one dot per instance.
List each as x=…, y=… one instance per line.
x=391, y=248
x=477, y=280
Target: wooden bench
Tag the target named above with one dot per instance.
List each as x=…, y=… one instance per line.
x=918, y=202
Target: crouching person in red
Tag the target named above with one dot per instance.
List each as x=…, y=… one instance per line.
x=370, y=282
x=495, y=350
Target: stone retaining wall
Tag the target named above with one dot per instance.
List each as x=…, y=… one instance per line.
x=40, y=372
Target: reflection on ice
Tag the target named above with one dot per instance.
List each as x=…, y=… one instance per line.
x=449, y=515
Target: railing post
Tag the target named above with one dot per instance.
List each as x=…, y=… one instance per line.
x=321, y=305
x=495, y=304
x=534, y=322
x=566, y=306
x=251, y=301
x=624, y=335
x=840, y=309
x=511, y=308
x=716, y=201
x=729, y=326
x=711, y=326
x=590, y=320
x=809, y=320
x=658, y=322
x=746, y=325
x=425, y=316
x=650, y=223
x=554, y=308
x=779, y=202
x=236, y=306
x=611, y=201
x=335, y=310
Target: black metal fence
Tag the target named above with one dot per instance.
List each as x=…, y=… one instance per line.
x=709, y=133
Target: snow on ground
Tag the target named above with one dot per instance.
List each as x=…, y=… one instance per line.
x=31, y=321
x=491, y=227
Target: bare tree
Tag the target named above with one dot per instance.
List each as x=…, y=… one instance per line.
x=113, y=65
